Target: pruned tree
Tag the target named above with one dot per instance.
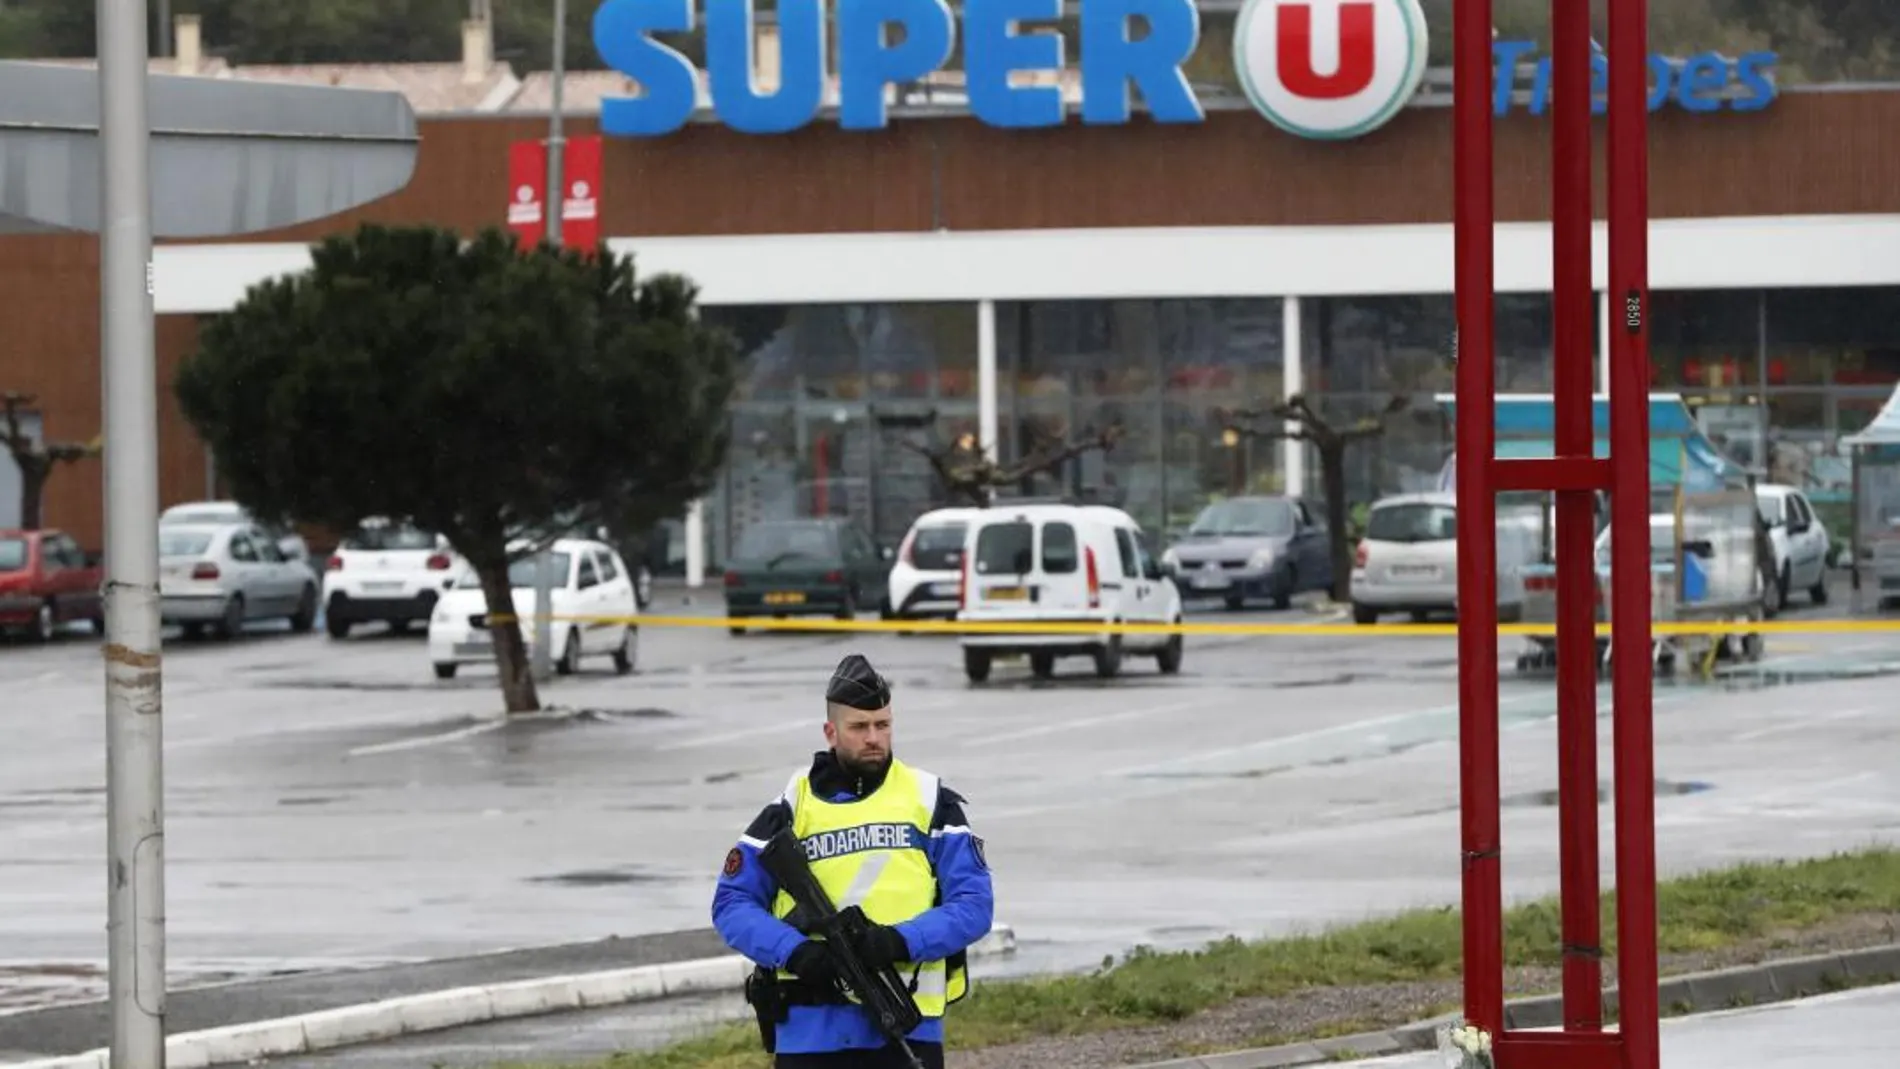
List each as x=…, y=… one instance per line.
x=972, y=476
x=35, y=458
x=499, y=396
x=1297, y=419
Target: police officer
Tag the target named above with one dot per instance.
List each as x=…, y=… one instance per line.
x=912, y=866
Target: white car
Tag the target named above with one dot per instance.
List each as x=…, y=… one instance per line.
x=923, y=580
x=1799, y=540
x=1060, y=563
x=289, y=543
x=1408, y=560
x=226, y=575
x=590, y=581
x=388, y=572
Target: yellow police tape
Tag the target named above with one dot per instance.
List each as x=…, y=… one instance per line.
x=971, y=627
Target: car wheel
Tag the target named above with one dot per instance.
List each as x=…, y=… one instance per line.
x=1818, y=592
x=42, y=628
x=1781, y=589
x=1169, y=659
x=1042, y=665
x=232, y=624
x=849, y=610
x=1108, y=657
x=337, y=626
x=570, y=662
x=624, y=656
x=445, y=671
x=976, y=665
x=1283, y=590
x=1364, y=615
x=306, y=615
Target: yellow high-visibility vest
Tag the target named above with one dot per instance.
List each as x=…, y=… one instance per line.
x=871, y=853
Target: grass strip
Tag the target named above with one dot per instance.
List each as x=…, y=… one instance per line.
x=1708, y=911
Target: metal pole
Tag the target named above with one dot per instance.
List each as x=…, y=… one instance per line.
x=1633, y=731
x=135, y=836
x=164, y=27
x=555, y=195
x=1474, y=231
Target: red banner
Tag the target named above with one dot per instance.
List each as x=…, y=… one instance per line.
x=527, y=189
x=527, y=182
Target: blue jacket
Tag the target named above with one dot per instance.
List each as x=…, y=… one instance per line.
x=742, y=910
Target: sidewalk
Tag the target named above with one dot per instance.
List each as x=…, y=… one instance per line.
x=1848, y=1030
x=72, y=1029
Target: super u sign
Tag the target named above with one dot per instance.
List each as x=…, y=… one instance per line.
x=1330, y=69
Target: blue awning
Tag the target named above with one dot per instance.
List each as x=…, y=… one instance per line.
x=1679, y=453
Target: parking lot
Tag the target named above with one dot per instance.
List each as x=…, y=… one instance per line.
x=331, y=803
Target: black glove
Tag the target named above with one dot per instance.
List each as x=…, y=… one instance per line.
x=883, y=945
x=812, y=961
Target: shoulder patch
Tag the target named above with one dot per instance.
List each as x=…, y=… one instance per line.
x=734, y=862
x=976, y=846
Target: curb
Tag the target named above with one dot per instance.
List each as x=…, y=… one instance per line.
x=1722, y=989
x=439, y=1010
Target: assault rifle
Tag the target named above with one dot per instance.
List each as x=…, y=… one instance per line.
x=881, y=991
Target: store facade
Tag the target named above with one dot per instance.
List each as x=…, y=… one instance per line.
x=947, y=274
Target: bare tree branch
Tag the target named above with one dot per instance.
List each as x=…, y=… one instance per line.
x=34, y=458
x=969, y=473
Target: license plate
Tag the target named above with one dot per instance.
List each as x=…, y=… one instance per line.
x=785, y=597
x=1415, y=571
x=464, y=649
x=1209, y=582
x=1004, y=593
x=382, y=587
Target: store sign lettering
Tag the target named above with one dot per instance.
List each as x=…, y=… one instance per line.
x=1116, y=60
x=1324, y=69
x=1704, y=82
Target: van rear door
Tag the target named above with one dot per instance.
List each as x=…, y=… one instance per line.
x=1023, y=567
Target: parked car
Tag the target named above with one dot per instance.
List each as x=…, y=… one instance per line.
x=813, y=567
x=46, y=580
x=1049, y=563
x=199, y=513
x=592, y=599
x=225, y=575
x=388, y=572
x=923, y=579
x=1798, y=540
x=1408, y=560
x=1252, y=547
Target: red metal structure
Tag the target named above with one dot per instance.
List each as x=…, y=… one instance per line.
x=1574, y=474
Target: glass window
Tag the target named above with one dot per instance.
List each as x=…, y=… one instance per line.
x=390, y=537
x=243, y=550
x=1005, y=549
x=1413, y=522
x=268, y=552
x=774, y=541
x=938, y=547
x=1125, y=546
x=522, y=573
x=12, y=554
x=1164, y=370
x=176, y=543
x=589, y=574
x=608, y=570
x=1248, y=516
x=1059, y=556
x=853, y=351
x=1705, y=339
x=1848, y=336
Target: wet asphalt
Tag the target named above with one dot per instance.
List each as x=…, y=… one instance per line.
x=331, y=805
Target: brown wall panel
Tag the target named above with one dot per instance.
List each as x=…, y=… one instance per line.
x=1836, y=152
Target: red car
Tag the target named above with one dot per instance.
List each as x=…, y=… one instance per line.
x=47, y=580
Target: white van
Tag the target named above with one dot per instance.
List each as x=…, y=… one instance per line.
x=1048, y=563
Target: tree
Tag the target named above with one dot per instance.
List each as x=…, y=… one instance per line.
x=497, y=395
x=36, y=459
x=1296, y=419
x=972, y=476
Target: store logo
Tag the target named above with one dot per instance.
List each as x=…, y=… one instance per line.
x=1330, y=69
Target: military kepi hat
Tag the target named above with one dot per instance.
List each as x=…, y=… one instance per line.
x=856, y=684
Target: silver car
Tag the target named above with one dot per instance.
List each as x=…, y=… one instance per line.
x=1252, y=547
x=200, y=513
x=227, y=574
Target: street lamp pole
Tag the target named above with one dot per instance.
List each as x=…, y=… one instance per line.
x=555, y=196
x=135, y=825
